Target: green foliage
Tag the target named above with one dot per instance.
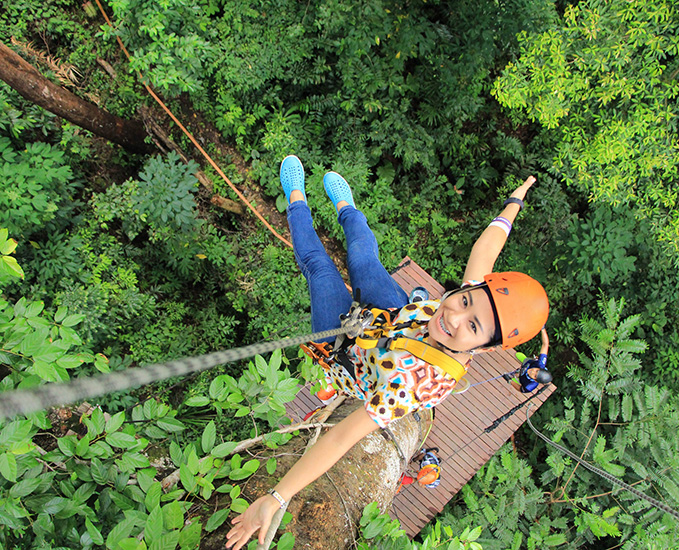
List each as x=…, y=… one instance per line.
x=262, y=391
x=379, y=532
x=599, y=247
x=167, y=41
x=635, y=424
x=605, y=80
x=37, y=183
x=20, y=119
x=9, y=267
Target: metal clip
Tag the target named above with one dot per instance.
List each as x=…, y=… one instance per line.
x=356, y=321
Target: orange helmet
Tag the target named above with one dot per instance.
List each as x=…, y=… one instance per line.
x=428, y=474
x=521, y=306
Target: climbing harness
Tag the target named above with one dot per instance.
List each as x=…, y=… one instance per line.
x=375, y=336
x=369, y=327
x=605, y=475
x=32, y=400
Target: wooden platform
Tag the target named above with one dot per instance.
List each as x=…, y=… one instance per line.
x=460, y=421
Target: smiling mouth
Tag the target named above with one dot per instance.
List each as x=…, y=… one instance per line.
x=443, y=328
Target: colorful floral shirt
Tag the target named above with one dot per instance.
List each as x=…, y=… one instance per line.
x=394, y=383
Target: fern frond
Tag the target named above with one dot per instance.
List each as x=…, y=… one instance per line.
x=628, y=326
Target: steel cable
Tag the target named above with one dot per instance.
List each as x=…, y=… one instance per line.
x=17, y=402
x=598, y=471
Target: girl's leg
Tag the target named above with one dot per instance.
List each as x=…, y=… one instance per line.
x=365, y=269
x=329, y=296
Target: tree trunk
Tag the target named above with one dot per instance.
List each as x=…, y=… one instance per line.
x=326, y=513
x=26, y=80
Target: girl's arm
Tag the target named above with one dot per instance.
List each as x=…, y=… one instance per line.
x=318, y=460
x=545, y=341
x=488, y=246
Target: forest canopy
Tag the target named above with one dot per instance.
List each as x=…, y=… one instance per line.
x=433, y=111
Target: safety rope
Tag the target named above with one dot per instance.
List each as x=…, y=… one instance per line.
x=489, y=379
x=31, y=400
x=513, y=410
x=600, y=472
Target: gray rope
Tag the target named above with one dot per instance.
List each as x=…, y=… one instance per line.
x=601, y=473
x=17, y=402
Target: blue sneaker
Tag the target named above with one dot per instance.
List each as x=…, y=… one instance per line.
x=337, y=189
x=292, y=176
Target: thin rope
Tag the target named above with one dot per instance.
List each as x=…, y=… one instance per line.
x=190, y=136
x=616, y=481
x=28, y=401
x=489, y=380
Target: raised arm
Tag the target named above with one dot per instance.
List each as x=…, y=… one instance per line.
x=488, y=246
x=318, y=460
x=545, y=341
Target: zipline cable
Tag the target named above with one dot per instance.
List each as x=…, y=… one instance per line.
x=32, y=400
x=600, y=472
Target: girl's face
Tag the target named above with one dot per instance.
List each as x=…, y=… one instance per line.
x=463, y=321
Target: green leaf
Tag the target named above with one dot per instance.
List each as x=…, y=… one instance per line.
x=7, y=246
x=217, y=519
x=120, y=440
x=34, y=309
x=12, y=266
x=239, y=505
x=271, y=465
x=154, y=525
x=173, y=515
x=94, y=533
x=24, y=487
x=286, y=542
x=187, y=478
x=60, y=314
x=101, y=363
x=131, y=544
x=73, y=320
x=209, y=436
x=189, y=538
x=16, y=431
x=170, y=424
x=554, y=540
x=223, y=449
x=152, y=500
x=67, y=444
x=69, y=361
x=114, y=423
x=46, y=371
x=197, y=401
x=119, y=532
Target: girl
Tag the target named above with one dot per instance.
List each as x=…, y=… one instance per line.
x=490, y=309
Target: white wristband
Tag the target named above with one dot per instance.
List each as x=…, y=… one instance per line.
x=278, y=497
x=502, y=223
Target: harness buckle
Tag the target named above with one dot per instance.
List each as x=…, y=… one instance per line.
x=319, y=352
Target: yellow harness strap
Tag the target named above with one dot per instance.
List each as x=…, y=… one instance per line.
x=452, y=367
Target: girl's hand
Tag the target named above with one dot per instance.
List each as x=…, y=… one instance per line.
x=520, y=192
x=257, y=516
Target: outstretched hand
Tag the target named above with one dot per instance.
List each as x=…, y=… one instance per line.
x=520, y=192
x=257, y=517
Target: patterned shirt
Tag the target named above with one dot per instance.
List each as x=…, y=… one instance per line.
x=394, y=383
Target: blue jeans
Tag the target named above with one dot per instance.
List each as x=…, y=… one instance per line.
x=329, y=295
